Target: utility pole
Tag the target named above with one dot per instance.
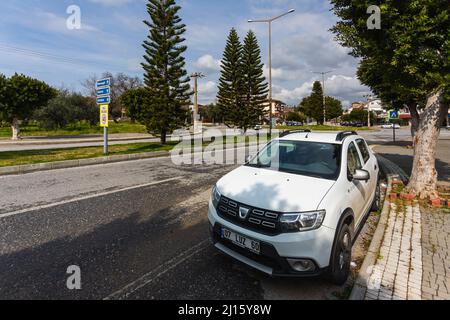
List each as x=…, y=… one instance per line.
x=324, y=96
x=369, y=100
x=269, y=21
x=196, y=76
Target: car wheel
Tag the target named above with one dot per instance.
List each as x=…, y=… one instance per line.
x=342, y=256
x=376, y=205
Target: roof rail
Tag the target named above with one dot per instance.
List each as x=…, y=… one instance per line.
x=288, y=132
x=344, y=134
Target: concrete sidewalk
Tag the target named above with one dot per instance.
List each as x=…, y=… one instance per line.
x=413, y=257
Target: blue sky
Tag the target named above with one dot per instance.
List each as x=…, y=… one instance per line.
x=34, y=40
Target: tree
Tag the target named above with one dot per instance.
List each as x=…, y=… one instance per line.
x=254, y=84
x=134, y=101
x=19, y=97
x=406, y=62
x=165, y=75
x=312, y=105
x=333, y=108
x=65, y=109
x=231, y=86
x=120, y=83
x=212, y=112
x=296, y=117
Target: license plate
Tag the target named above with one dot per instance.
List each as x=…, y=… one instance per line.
x=241, y=241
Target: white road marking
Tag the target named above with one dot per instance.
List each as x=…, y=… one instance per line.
x=157, y=272
x=96, y=195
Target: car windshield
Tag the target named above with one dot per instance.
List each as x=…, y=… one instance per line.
x=315, y=159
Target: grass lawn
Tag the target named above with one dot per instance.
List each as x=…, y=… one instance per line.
x=78, y=129
x=15, y=158
x=324, y=128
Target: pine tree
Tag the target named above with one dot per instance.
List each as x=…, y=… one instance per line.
x=230, y=91
x=165, y=75
x=254, y=83
x=313, y=104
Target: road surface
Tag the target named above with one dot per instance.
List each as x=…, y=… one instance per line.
x=137, y=230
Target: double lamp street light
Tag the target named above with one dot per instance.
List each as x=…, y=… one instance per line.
x=269, y=21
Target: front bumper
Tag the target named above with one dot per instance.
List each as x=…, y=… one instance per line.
x=314, y=245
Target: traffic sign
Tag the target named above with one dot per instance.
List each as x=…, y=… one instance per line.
x=103, y=100
x=394, y=115
x=104, y=116
x=103, y=91
x=103, y=83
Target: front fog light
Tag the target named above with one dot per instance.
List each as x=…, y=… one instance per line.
x=302, y=265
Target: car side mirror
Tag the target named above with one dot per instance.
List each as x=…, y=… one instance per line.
x=361, y=175
x=249, y=158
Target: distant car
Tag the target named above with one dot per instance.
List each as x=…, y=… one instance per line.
x=258, y=127
x=390, y=126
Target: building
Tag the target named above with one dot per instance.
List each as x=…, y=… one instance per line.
x=355, y=106
x=278, y=109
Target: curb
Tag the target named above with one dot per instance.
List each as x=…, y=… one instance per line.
x=360, y=286
x=29, y=168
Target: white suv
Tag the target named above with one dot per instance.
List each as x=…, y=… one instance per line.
x=296, y=208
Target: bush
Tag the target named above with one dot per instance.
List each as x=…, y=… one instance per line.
x=67, y=108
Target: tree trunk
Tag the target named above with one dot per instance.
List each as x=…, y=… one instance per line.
x=424, y=175
x=15, y=129
x=415, y=120
x=163, y=136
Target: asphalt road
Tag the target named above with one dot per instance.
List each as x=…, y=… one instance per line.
x=137, y=230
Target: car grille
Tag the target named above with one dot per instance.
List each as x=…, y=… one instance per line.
x=259, y=220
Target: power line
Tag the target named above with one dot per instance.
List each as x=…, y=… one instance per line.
x=51, y=57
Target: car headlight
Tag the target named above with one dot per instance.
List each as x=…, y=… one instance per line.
x=215, y=197
x=304, y=221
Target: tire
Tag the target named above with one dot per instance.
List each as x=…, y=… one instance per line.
x=342, y=256
x=376, y=204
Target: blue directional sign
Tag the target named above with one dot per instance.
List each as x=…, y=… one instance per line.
x=103, y=100
x=103, y=83
x=103, y=91
x=394, y=114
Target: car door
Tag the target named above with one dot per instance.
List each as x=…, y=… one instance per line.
x=370, y=165
x=357, y=191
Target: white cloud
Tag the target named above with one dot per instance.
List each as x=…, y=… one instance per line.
x=208, y=64
x=341, y=87
x=111, y=3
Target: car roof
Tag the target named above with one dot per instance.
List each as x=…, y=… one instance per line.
x=317, y=136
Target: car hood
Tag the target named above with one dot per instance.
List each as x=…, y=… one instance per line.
x=272, y=190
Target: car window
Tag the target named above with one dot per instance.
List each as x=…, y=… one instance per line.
x=353, y=160
x=321, y=160
x=363, y=148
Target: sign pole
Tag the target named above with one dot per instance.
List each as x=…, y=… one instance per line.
x=105, y=141
x=393, y=130
x=103, y=88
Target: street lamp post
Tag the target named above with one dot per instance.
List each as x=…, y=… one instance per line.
x=323, y=89
x=269, y=21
